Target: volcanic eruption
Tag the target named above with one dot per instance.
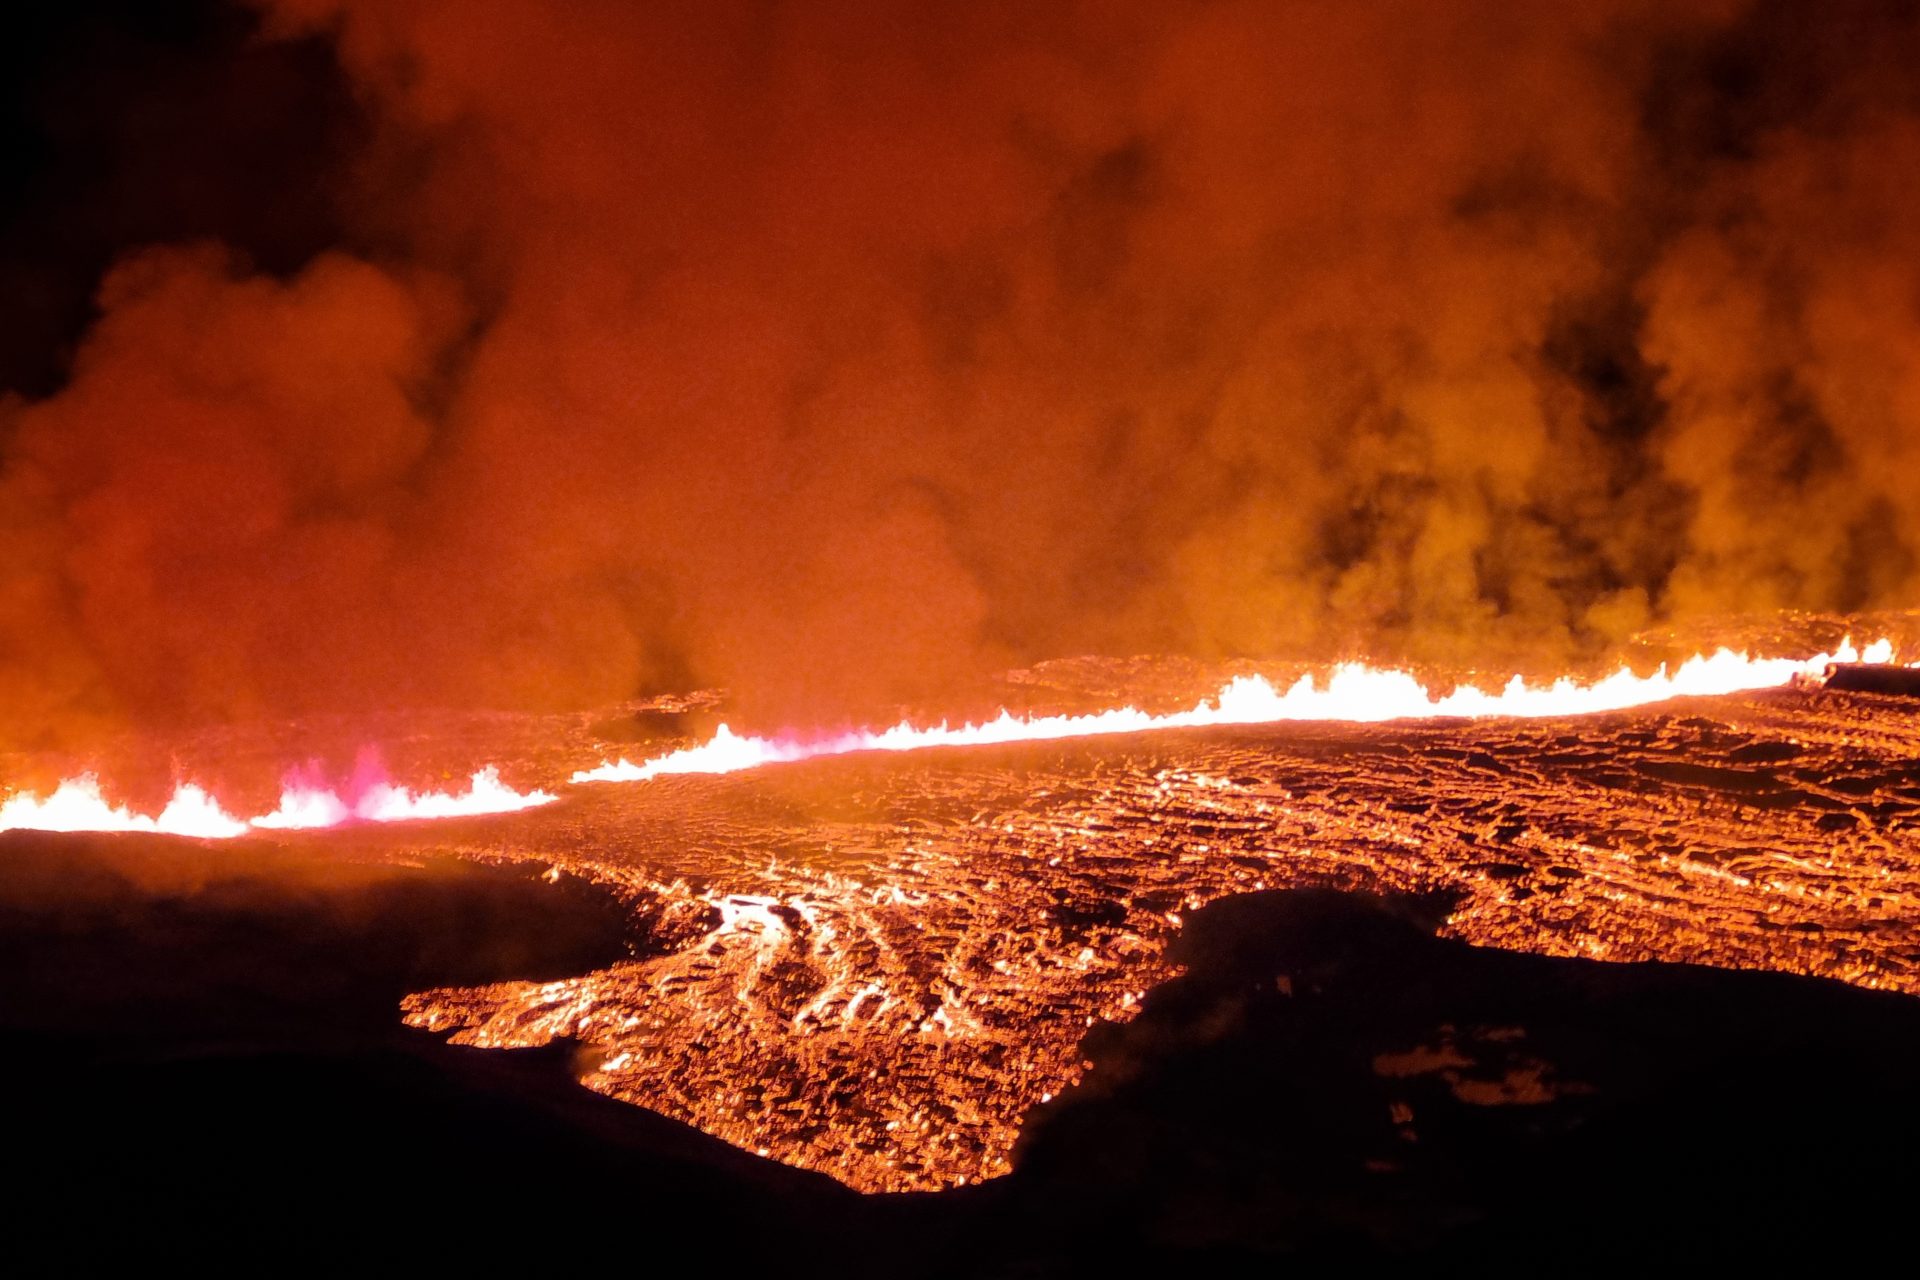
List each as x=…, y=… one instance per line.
x=903, y=508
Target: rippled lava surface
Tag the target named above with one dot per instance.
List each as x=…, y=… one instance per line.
x=875, y=966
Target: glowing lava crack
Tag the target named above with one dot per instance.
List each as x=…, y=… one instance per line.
x=1354, y=693
x=78, y=805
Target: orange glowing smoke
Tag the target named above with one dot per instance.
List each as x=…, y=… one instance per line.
x=838, y=352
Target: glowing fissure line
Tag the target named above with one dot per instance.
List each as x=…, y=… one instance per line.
x=77, y=805
x=1353, y=693
x=303, y=807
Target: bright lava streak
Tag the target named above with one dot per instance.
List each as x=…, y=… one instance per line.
x=1353, y=692
x=77, y=805
x=303, y=807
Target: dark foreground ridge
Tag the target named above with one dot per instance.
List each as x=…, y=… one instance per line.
x=1330, y=1078
x=202, y=1059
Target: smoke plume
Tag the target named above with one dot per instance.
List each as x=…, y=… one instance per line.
x=831, y=351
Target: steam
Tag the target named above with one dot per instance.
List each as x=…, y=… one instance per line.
x=832, y=351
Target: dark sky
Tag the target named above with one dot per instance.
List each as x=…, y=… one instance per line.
x=129, y=124
x=510, y=353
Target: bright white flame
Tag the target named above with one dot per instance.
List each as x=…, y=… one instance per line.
x=304, y=807
x=77, y=805
x=485, y=793
x=1352, y=692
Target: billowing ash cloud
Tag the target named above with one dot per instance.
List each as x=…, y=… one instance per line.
x=830, y=350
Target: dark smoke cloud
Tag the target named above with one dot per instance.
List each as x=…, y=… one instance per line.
x=833, y=350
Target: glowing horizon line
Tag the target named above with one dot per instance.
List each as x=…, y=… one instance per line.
x=77, y=804
x=1354, y=693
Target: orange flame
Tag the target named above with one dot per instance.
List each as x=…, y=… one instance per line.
x=77, y=805
x=303, y=806
x=1353, y=692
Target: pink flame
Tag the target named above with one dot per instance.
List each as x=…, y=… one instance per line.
x=1352, y=693
x=305, y=803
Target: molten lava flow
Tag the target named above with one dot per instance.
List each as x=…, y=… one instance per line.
x=884, y=987
x=1353, y=692
x=77, y=805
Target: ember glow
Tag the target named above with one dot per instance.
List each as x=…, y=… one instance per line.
x=1353, y=692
